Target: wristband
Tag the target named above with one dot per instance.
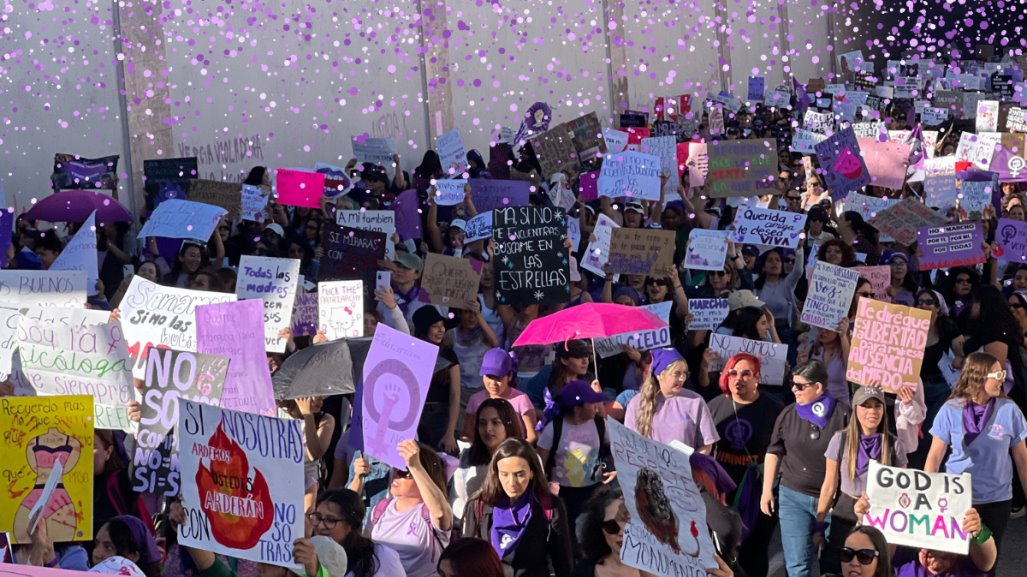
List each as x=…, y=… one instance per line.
x=983, y=535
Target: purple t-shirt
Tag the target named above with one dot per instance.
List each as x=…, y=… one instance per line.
x=683, y=417
x=987, y=458
x=856, y=487
x=412, y=537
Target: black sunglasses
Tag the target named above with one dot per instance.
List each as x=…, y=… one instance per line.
x=864, y=556
x=718, y=273
x=400, y=474
x=611, y=526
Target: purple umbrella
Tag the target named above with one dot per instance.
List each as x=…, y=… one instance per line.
x=76, y=206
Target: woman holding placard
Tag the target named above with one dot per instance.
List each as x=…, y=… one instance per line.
x=983, y=427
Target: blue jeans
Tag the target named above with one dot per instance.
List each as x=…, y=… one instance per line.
x=796, y=512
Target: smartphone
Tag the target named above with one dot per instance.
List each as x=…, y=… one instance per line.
x=128, y=270
x=384, y=280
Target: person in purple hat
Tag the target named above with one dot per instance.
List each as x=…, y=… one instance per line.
x=497, y=374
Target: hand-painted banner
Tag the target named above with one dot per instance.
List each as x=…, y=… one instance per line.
x=236, y=330
x=707, y=314
x=155, y=315
x=340, y=306
x=630, y=174
x=773, y=357
x=667, y=534
x=478, y=227
x=879, y=277
x=351, y=254
x=450, y=281
x=451, y=152
x=940, y=182
x=888, y=344
x=488, y=194
x=805, y=141
x=902, y=220
x=73, y=171
x=598, y=251
x=80, y=253
x=273, y=281
x=42, y=288
x=843, y=164
x=644, y=251
x=374, y=150
x=374, y=220
x=918, y=509
x=85, y=360
x=171, y=377
x=38, y=433
x=176, y=218
x=741, y=167
x=531, y=265
x=397, y=374
x=305, y=315
x=642, y=341
x=299, y=188
x=449, y=191
x=244, y=495
x=1011, y=238
x=975, y=196
x=707, y=249
x=665, y=148
x=830, y=295
x=951, y=245
x=768, y=227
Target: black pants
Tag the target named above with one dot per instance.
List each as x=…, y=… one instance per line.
x=754, y=554
x=996, y=517
x=843, y=519
x=574, y=499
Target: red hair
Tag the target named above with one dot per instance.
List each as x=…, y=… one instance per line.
x=730, y=364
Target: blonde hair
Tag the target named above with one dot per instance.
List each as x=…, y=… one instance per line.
x=976, y=367
x=647, y=398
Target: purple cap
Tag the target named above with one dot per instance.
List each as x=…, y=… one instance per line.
x=577, y=393
x=496, y=362
x=663, y=358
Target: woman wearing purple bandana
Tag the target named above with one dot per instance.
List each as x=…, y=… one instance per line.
x=516, y=512
x=983, y=427
x=801, y=436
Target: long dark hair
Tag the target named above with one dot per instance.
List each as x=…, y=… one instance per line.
x=479, y=454
x=884, y=568
x=359, y=549
x=430, y=167
x=743, y=322
x=492, y=489
x=472, y=557
x=762, y=264
x=131, y=537
x=994, y=314
x=591, y=536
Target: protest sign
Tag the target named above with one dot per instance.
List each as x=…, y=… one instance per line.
x=644, y=251
x=273, y=281
x=740, y=167
x=449, y=191
x=1011, y=238
x=176, y=218
x=757, y=86
x=61, y=427
x=305, y=315
x=933, y=116
x=843, y=164
x=667, y=534
x=253, y=202
x=918, y=509
x=450, y=281
x=631, y=174
x=887, y=345
x=585, y=133
x=374, y=150
x=867, y=206
x=707, y=249
x=830, y=295
x=8, y=340
x=168, y=178
x=879, y=277
x=940, y=182
x=247, y=498
x=643, y=340
x=531, y=263
x=665, y=148
x=80, y=253
x=155, y=315
x=698, y=163
x=598, y=250
x=227, y=195
x=555, y=150
x=870, y=130
x=805, y=142
x=975, y=196
x=299, y=188
x=6, y=228
x=886, y=162
x=768, y=227
x=397, y=374
x=588, y=185
x=478, y=227
x=818, y=122
x=902, y=220
x=951, y=245
x=616, y=141
x=71, y=171
x=773, y=357
x=351, y=254
x=451, y=152
x=236, y=330
x=37, y=288
x=408, y=215
x=340, y=309
x=337, y=179
x=707, y=314
x=374, y=220
x=171, y=377
x=987, y=116
x=79, y=360
x=488, y=194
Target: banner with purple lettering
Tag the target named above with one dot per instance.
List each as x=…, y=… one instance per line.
x=768, y=227
x=951, y=245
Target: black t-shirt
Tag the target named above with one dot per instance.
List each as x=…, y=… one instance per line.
x=744, y=438
x=801, y=446
x=947, y=331
x=438, y=391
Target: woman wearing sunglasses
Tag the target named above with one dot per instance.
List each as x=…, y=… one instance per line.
x=983, y=427
x=801, y=436
x=865, y=554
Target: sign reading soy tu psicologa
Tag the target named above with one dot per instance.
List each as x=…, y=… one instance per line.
x=768, y=227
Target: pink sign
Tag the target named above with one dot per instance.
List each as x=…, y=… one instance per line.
x=298, y=188
x=886, y=162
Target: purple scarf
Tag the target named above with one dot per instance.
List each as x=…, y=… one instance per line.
x=509, y=523
x=975, y=417
x=869, y=448
x=818, y=412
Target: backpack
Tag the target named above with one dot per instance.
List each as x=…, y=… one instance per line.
x=605, y=463
x=382, y=505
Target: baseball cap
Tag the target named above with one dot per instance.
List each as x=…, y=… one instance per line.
x=750, y=250
x=330, y=554
x=864, y=394
x=458, y=223
x=634, y=206
x=275, y=228
x=496, y=362
x=577, y=393
x=409, y=260
x=741, y=299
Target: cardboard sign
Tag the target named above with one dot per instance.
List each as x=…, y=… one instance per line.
x=375, y=220
x=555, y=150
x=773, y=357
x=171, y=377
x=450, y=281
x=397, y=374
x=830, y=295
x=768, y=227
x=299, y=188
x=707, y=249
x=531, y=263
x=374, y=150
x=642, y=341
x=933, y=116
x=63, y=428
x=273, y=281
x=598, y=251
x=940, y=182
x=79, y=360
x=478, y=227
x=155, y=315
x=886, y=162
x=340, y=306
x=631, y=174
x=80, y=253
x=351, y=254
x=247, y=498
x=664, y=148
x=236, y=330
x=951, y=245
x=488, y=194
x=805, y=141
x=449, y=191
x=843, y=164
x=644, y=251
x=253, y=202
x=818, y=122
x=918, y=509
x=975, y=196
x=879, y=277
x=176, y=218
x=1011, y=238
x=667, y=534
x=887, y=345
x=707, y=314
x=227, y=195
x=741, y=167
x=757, y=86
x=902, y=220
x=305, y=315
x=451, y=152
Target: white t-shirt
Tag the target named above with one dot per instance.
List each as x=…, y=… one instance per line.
x=412, y=537
x=577, y=457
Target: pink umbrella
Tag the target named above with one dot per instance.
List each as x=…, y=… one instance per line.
x=588, y=321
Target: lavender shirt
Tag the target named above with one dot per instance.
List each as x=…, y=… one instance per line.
x=683, y=417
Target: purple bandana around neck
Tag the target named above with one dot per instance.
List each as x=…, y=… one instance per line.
x=818, y=412
x=869, y=448
x=975, y=417
x=509, y=523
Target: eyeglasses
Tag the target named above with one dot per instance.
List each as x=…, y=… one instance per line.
x=997, y=375
x=400, y=474
x=611, y=526
x=864, y=556
x=926, y=302
x=744, y=374
x=317, y=519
